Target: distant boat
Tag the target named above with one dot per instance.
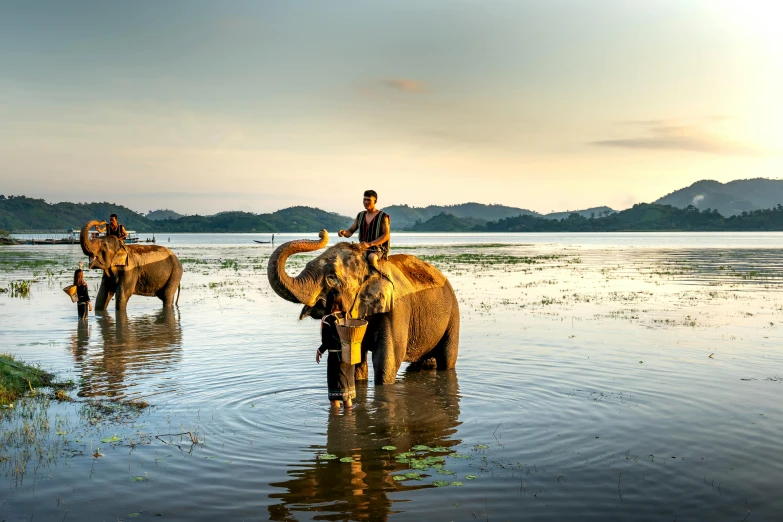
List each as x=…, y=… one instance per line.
x=266, y=242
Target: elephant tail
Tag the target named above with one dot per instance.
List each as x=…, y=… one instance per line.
x=179, y=290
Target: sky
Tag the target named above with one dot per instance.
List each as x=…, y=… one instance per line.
x=552, y=105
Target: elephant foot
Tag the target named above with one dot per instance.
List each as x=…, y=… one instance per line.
x=422, y=365
x=361, y=374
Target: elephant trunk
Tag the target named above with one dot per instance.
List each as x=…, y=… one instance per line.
x=89, y=246
x=303, y=288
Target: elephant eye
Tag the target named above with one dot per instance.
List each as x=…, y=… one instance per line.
x=332, y=280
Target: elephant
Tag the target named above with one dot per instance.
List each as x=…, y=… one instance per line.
x=147, y=270
x=411, y=308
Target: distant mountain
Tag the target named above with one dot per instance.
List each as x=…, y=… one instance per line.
x=160, y=215
x=448, y=223
x=404, y=217
x=734, y=197
x=293, y=219
x=588, y=212
x=20, y=213
x=23, y=213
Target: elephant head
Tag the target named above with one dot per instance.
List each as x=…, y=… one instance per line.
x=103, y=253
x=338, y=279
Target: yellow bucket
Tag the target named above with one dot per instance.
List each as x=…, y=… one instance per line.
x=351, y=332
x=71, y=291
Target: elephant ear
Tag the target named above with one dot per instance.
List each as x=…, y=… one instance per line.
x=120, y=258
x=376, y=296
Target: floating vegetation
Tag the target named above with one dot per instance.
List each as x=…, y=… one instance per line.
x=481, y=446
x=459, y=456
x=470, y=477
x=445, y=472
x=421, y=447
x=136, y=479
x=389, y=448
x=327, y=456
x=440, y=483
x=109, y=440
x=347, y=459
x=456, y=483
x=20, y=288
x=398, y=478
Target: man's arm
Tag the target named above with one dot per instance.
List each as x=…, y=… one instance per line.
x=351, y=230
x=123, y=232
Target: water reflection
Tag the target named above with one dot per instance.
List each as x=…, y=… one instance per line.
x=129, y=349
x=421, y=409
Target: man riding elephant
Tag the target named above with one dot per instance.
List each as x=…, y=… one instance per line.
x=374, y=227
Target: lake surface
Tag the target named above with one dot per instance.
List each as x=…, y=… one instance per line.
x=600, y=377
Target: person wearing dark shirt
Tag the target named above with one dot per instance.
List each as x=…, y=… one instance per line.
x=83, y=304
x=339, y=376
x=116, y=229
x=374, y=228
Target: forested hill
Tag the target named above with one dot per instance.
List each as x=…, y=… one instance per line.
x=734, y=197
x=641, y=217
x=403, y=216
x=22, y=213
x=293, y=219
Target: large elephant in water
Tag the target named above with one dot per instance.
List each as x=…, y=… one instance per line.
x=413, y=313
x=147, y=270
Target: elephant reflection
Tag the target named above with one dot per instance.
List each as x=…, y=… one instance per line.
x=422, y=409
x=139, y=343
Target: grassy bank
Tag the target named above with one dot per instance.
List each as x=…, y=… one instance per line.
x=18, y=378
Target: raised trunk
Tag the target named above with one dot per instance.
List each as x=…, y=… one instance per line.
x=303, y=288
x=89, y=247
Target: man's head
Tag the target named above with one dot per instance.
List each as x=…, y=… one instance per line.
x=370, y=198
x=113, y=219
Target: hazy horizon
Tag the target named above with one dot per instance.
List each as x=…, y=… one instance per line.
x=202, y=107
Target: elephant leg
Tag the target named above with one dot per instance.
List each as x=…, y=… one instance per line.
x=448, y=347
x=169, y=293
x=385, y=361
x=362, y=373
x=104, y=296
x=125, y=287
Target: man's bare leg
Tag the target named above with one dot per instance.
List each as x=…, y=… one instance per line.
x=373, y=259
x=335, y=405
x=348, y=403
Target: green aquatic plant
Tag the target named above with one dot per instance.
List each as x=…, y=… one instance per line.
x=347, y=459
x=421, y=447
x=456, y=483
x=440, y=483
x=20, y=288
x=327, y=456
x=389, y=448
x=107, y=440
x=470, y=477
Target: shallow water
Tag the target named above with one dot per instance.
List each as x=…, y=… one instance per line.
x=600, y=377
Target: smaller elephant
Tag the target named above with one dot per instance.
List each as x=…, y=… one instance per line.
x=147, y=270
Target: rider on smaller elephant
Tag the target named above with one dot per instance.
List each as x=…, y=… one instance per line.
x=374, y=229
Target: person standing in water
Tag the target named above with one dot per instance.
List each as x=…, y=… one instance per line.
x=339, y=375
x=374, y=227
x=83, y=304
